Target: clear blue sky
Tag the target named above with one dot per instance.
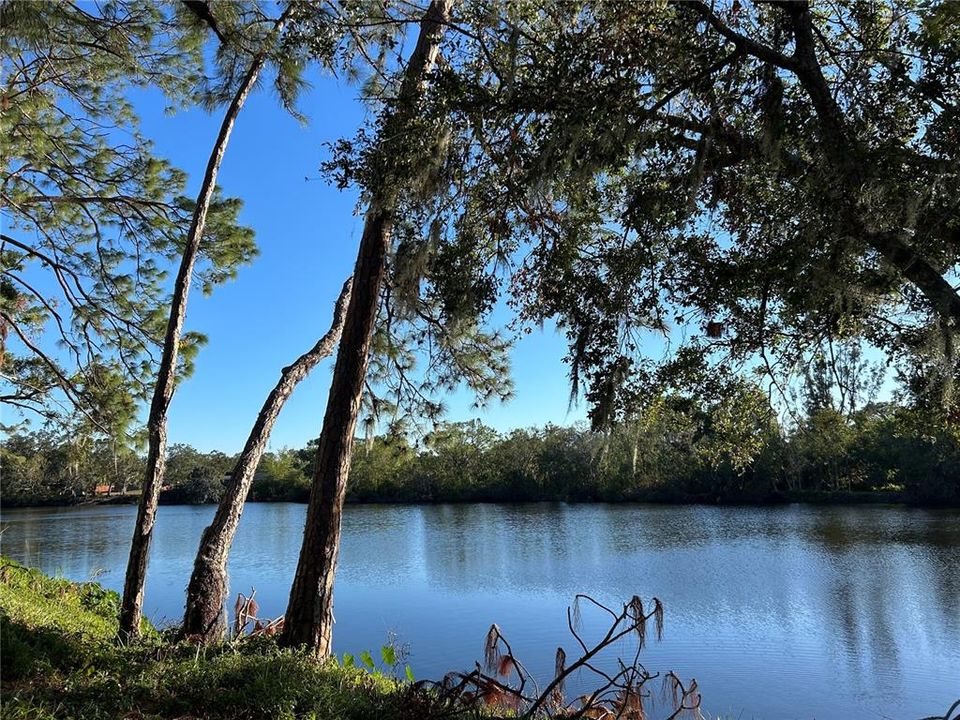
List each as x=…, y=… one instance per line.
x=307, y=233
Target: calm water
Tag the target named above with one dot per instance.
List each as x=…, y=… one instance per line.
x=792, y=612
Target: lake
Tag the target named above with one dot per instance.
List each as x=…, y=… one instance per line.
x=781, y=612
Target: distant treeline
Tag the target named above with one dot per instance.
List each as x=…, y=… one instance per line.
x=678, y=453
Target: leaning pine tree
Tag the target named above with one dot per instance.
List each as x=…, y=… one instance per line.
x=309, y=615
x=131, y=609
x=204, y=619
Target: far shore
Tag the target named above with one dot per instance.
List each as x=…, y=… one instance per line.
x=879, y=497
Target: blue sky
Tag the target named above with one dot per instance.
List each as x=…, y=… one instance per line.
x=307, y=232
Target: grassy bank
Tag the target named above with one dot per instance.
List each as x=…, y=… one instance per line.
x=59, y=661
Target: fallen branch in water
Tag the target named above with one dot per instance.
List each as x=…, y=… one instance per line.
x=949, y=714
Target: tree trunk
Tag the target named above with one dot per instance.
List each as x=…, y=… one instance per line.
x=131, y=609
x=309, y=611
x=309, y=615
x=204, y=619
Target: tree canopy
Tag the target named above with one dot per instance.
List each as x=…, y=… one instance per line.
x=756, y=184
x=92, y=217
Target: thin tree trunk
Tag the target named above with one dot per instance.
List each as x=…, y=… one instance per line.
x=204, y=619
x=116, y=471
x=309, y=615
x=131, y=609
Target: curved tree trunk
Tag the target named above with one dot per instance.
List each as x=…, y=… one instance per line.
x=131, y=609
x=204, y=619
x=309, y=616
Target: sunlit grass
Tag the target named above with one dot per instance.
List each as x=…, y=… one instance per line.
x=59, y=661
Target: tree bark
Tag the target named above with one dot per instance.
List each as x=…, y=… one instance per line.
x=204, y=619
x=131, y=609
x=309, y=615
x=309, y=612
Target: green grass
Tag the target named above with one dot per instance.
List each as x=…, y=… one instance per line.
x=59, y=661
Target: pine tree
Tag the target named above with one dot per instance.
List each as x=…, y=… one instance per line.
x=92, y=217
x=308, y=620
x=264, y=43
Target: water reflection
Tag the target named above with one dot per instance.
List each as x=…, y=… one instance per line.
x=778, y=612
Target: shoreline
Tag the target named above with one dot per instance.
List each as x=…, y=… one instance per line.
x=843, y=498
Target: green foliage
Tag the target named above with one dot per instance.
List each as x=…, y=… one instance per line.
x=388, y=655
x=283, y=475
x=645, y=173
x=630, y=174
x=92, y=219
x=194, y=478
x=44, y=467
x=59, y=661
x=678, y=449
x=367, y=659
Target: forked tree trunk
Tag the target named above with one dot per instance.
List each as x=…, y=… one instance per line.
x=131, y=609
x=309, y=615
x=205, y=617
